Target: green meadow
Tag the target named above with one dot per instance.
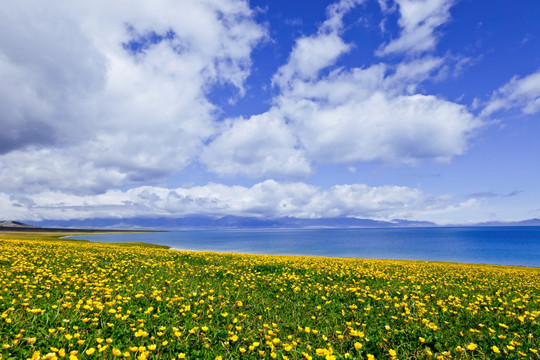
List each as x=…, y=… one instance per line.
x=66, y=299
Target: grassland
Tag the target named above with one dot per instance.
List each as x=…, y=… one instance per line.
x=81, y=300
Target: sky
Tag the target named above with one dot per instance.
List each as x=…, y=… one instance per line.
x=380, y=109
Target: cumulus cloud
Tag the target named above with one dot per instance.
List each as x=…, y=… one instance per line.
x=367, y=114
x=519, y=93
x=311, y=54
x=39, y=170
x=116, y=88
x=401, y=129
x=346, y=115
x=49, y=71
x=262, y=145
x=418, y=20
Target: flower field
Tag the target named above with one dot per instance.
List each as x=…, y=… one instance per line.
x=81, y=300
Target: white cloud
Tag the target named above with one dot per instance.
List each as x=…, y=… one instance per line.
x=311, y=54
x=418, y=21
x=335, y=13
x=115, y=88
x=38, y=170
x=400, y=129
x=260, y=146
x=519, y=93
x=409, y=74
x=347, y=116
x=268, y=198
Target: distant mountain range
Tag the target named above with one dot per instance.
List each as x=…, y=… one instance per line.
x=529, y=222
x=206, y=222
x=13, y=224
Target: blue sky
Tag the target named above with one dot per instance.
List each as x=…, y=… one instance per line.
x=413, y=109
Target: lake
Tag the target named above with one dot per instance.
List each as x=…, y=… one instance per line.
x=481, y=245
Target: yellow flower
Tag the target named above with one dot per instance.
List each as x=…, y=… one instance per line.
x=392, y=352
x=357, y=345
x=152, y=347
x=116, y=352
x=183, y=356
x=90, y=351
x=370, y=357
x=495, y=349
x=472, y=346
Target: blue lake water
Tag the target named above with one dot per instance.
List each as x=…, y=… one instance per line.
x=482, y=245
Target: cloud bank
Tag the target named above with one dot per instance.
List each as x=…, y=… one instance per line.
x=270, y=199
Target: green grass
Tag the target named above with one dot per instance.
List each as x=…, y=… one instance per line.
x=65, y=298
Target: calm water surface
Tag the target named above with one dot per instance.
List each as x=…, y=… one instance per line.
x=484, y=245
